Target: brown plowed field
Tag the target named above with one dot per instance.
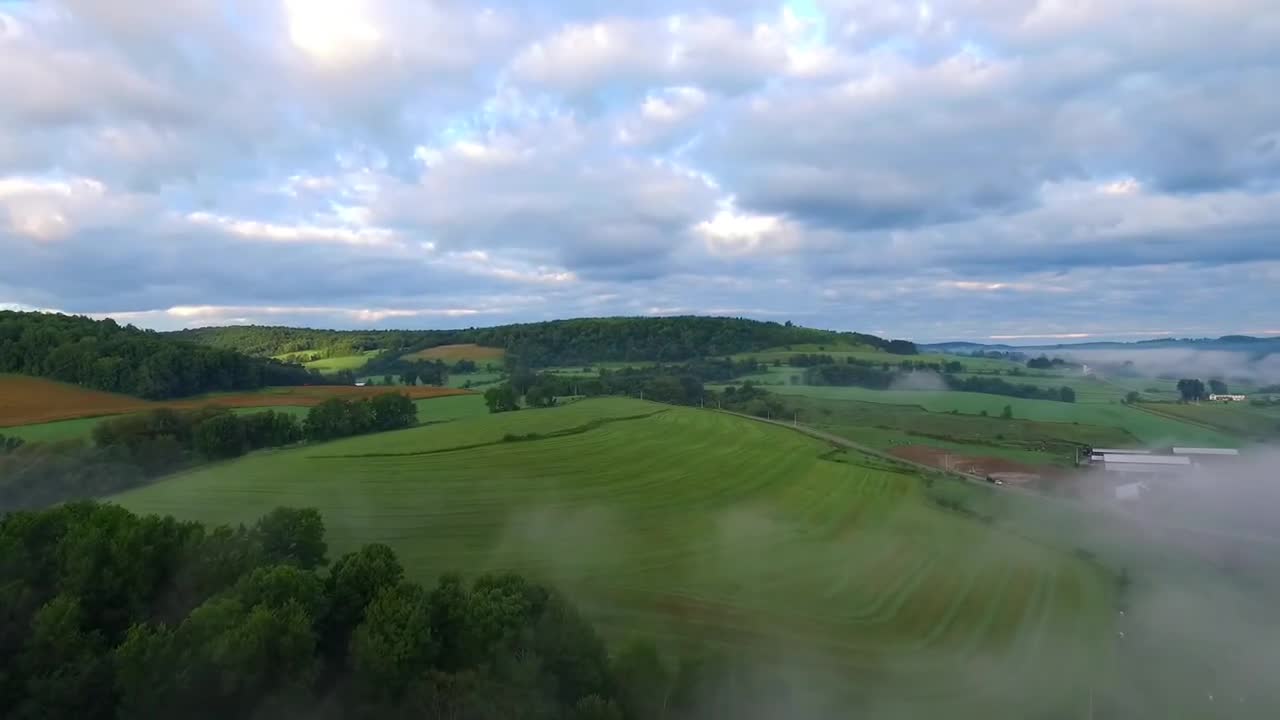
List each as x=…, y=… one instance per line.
x=30, y=400
x=974, y=465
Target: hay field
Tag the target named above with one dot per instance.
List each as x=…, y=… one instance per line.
x=694, y=527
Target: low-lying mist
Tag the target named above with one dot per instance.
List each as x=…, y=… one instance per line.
x=1183, y=363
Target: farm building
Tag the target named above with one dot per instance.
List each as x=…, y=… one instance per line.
x=1228, y=398
x=1134, y=464
x=1206, y=452
x=1133, y=459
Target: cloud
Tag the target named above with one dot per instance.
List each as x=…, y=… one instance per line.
x=950, y=169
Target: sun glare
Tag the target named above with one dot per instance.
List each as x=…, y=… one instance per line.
x=331, y=31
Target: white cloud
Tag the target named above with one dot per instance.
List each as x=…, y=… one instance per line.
x=897, y=164
x=733, y=232
x=295, y=233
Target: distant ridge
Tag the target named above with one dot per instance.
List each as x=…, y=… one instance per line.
x=1226, y=343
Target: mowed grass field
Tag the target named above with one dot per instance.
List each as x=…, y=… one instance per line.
x=28, y=400
x=697, y=528
x=453, y=353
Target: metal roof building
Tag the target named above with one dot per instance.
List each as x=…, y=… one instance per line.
x=1231, y=452
x=1145, y=460
x=1113, y=451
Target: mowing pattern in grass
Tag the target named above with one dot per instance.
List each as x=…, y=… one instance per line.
x=694, y=526
x=453, y=353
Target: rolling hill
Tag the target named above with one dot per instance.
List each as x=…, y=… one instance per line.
x=696, y=527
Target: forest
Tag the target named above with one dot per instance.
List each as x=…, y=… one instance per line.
x=103, y=355
x=111, y=615
x=554, y=343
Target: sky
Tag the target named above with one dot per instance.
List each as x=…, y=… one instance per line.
x=947, y=170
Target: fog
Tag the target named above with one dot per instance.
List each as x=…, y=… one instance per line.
x=1200, y=631
x=1183, y=362
x=918, y=380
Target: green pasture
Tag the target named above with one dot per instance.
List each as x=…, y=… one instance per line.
x=1237, y=419
x=430, y=410
x=475, y=379
x=83, y=427
x=861, y=352
x=1087, y=389
x=54, y=431
x=1145, y=427
x=696, y=528
x=348, y=362
x=451, y=407
x=886, y=426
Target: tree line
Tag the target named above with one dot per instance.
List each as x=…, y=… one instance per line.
x=996, y=386
x=102, y=355
x=1193, y=389
x=112, y=615
x=555, y=343
x=131, y=450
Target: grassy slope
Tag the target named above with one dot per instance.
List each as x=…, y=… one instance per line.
x=453, y=353
x=692, y=525
x=349, y=362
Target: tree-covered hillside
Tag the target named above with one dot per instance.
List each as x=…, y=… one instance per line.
x=557, y=342
x=103, y=355
x=268, y=341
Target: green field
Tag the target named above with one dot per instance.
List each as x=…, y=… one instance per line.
x=83, y=427
x=429, y=410
x=860, y=352
x=348, y=362
x=693, y=527
x=450, y=408
x=1145, y=427
x=54, y=431
x=885, y=427
x=1239, y=419
x=475, y=379
x=333, y=364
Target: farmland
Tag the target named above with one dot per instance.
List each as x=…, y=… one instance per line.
x=1237, y=418
x=869, y=354
x=886, y=427
x=467, y=351
x=1144, y=427
x=26, y=400
x=32, y=401
x=691, y=526
x=346, y=362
